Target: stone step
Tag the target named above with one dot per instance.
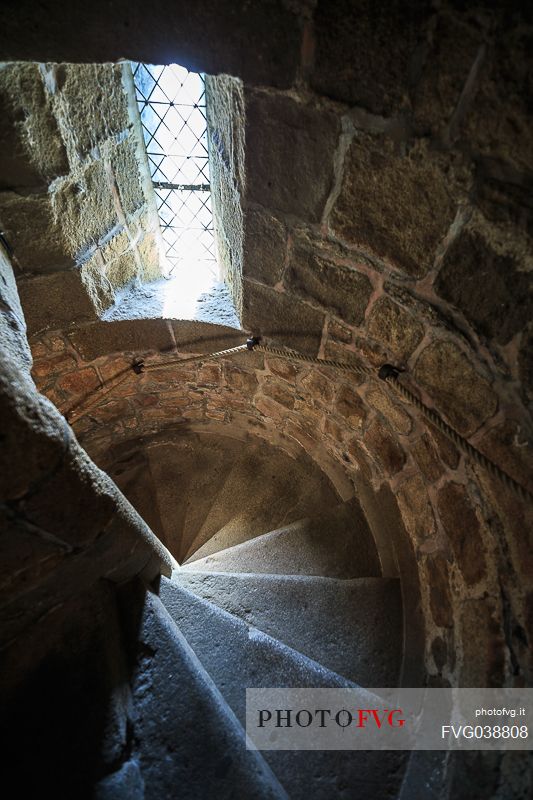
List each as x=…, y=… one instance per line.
x=335, y=545
x=187, y=739
x=265, y=489
x=362, y=639
x=173, y=484
x=237, y=657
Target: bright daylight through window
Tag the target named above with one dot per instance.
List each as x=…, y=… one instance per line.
x=172, y=107
x=171, y=103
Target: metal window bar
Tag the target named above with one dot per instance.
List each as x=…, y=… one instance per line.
x=171, y=103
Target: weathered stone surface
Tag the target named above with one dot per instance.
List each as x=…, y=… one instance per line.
x=417, y=513
x=81, y=382
x=225, y=130
x=483, y=644
x=102, y=338
x=510, y=446
x=498, y=123
x=177, y=34
x=456, y=389
x=446, y=450
x=283, y=368
x=240, y=379
x=56, y=365
x=338, y=332
x=495, y=296
x=281, y=318
x=58, y=300
x=12, y=324
x=394, y=415
x=265, y=245
x=273, y=604
x=31, y=150
x=384, y=448
x=88, y=92
x=506, y=203
x=427, y=458
x=364, y=51
x=350, y=406
x=439, y=591
x=339, y=288
x=203, y=337
x=452, y=54
x=439, y=651
x=30, y=226
x=125, y=782
x=320, y=387
x=525, y=361
x=398, y=330
x=397, y=208
x=281, y=394
x=83, y=206
x=289, y=154
x=463, y=530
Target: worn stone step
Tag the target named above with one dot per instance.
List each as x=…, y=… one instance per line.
x=353, y=627
x=336, y=545
x=188, y=741
x=264, y=489
x=237, y=657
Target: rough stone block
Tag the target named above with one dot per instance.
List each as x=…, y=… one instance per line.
x=31, y=150
x=364, y=51
x=84, y=207
x=398, y=330
x=489, y=288
x=82, y=382
x=242, y=380
x=203, y=337
x=396, y=208
x=33, y=435
x=225, y=126
x=278, y=392
x=177, y=33
x=281, y=318
x=394, y=415
x=289, y=154
x=417, y=513
x=123, y=160
x=84, y=92
x=498, y=122
x=265, y=246
x=37, y=237
x=131, y=336
x=450, y=58
x=463, y=529
x=350, y=406
x=58, y=300
x=484, y=647
x=439, y=591
x=384, y=448
x=336, y=287
x=455, y=388
x=427, y=459
x=320, y=387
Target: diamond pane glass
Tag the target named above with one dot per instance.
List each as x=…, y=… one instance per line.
x=171, y=103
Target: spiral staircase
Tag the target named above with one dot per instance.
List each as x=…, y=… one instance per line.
x=280, y=586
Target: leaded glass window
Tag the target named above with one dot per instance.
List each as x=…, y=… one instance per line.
x=171, y=103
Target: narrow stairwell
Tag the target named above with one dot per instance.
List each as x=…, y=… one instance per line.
x=302, y=605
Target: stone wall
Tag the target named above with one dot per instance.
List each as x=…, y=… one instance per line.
x=76, y=204
x=65, y=525
x=463, y=528
x=386, y=216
